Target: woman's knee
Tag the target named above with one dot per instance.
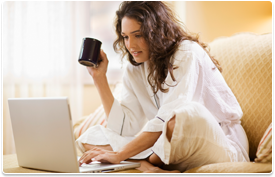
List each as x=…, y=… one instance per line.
x=170, y=127
x=155, y=160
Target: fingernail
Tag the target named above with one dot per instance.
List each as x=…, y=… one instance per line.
x=81, y=161
x=93, y=159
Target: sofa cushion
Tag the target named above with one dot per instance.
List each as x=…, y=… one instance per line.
x=264, y=152
x=96, y=118
x=246, y=60
x=233, y=167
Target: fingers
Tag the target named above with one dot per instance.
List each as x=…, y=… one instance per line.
x=103, y=57
x=101, y=155
x=87, y=156
x=101, y=158
x=108, y=157
x=102, y=66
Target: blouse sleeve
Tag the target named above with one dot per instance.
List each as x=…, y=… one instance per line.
x=127, y=117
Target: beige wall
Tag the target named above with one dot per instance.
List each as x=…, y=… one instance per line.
x=212, y=19
x=91, y=99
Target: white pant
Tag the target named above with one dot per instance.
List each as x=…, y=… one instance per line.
x=197, y=139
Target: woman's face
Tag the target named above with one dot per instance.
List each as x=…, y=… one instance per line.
x=133, y=40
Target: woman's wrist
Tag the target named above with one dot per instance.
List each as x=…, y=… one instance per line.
x=99, y=80
x=122, y=155
x=105, y=93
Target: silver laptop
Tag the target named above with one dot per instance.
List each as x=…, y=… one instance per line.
x=43, y=135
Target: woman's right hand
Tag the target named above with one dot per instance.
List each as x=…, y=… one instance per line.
x=101, y=155
x=101, y=70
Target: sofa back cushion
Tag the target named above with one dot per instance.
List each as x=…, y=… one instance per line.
x=246, y=60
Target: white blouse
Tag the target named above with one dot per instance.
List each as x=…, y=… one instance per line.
x=197, y=79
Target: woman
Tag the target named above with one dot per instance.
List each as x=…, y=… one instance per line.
x=172, y=90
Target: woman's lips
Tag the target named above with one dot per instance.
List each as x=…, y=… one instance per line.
x=136, y=53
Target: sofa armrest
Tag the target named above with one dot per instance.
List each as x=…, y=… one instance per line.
x=233, y=167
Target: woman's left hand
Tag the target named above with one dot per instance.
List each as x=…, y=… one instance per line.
x=101, y=155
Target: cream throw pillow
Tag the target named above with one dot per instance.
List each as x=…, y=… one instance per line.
x=264, y=152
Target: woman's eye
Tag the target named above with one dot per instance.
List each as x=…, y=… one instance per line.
x=137, y=36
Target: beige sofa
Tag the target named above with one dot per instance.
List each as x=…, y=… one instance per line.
x=246, y=60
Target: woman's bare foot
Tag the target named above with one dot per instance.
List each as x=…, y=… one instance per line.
x=147, y=167
x=159, y=170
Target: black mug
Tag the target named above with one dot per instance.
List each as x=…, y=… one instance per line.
x=89, y=53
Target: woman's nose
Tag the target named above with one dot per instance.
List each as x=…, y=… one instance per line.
x=130, y=43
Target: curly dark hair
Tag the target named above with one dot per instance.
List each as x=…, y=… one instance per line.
x=163, y=33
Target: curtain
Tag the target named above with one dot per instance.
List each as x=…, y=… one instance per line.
x=41, y=44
